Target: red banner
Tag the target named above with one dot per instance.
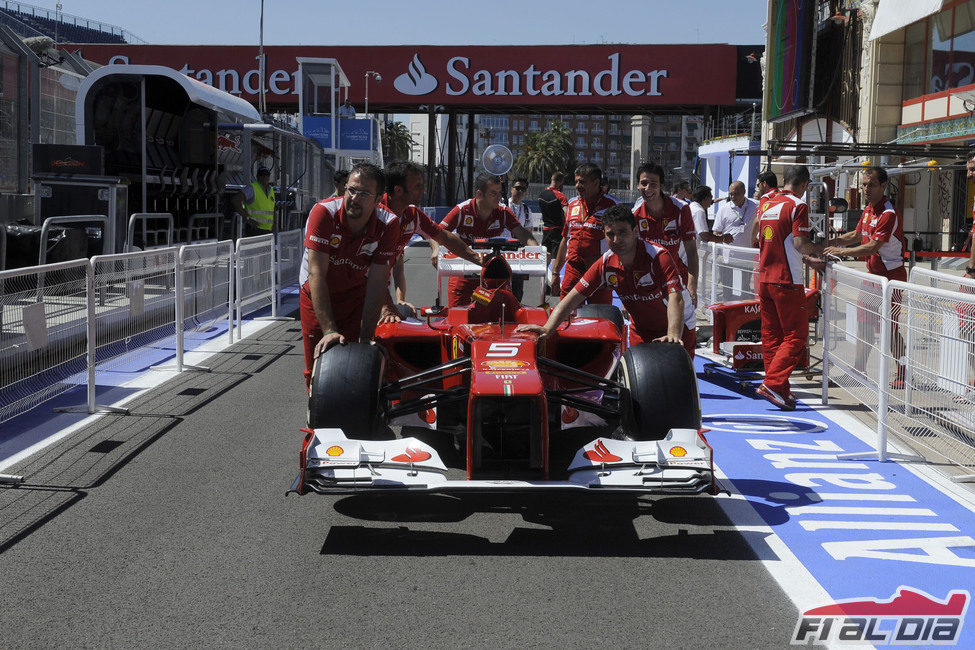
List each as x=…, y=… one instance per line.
x=542, y=76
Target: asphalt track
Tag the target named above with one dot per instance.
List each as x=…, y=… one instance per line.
x=170, y=527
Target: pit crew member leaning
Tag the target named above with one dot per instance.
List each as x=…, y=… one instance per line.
x=582, y=234
x=350, y=243
x=880, y=234
x=783, y=241
x=642, y=274
x=480, y=217
x=404, y=191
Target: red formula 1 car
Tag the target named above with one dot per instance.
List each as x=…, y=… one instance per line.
x=496, y=409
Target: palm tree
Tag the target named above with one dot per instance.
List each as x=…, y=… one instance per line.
x=397, y=141
x=546, y=152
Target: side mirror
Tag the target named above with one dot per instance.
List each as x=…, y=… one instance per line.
x=837, y=206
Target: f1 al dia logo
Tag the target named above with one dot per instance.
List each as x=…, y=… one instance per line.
x=908, y=617
x=417, y=81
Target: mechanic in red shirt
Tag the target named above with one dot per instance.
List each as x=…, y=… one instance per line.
x=477, y=218
x=783, y=241
x=582, y=236
x=350, y=243
x=643, y=275
x=766, y=187
x=666, y=221
x=880, y=234
x=404, y=191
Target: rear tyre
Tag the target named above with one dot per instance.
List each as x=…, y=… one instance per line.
x=663, y=390
x=611, y=313
x=345, y=385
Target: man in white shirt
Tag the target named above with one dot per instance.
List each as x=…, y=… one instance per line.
x=701, y=200
x=733, y=223
x=516, y=203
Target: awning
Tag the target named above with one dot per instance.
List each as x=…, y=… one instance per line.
x=896, y=14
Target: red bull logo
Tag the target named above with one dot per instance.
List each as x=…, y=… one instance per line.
x=225, y=143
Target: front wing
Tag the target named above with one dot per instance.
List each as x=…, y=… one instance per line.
x=681, y=463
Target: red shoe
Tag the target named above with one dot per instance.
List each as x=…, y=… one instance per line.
x=767, y=393
x=792, y=400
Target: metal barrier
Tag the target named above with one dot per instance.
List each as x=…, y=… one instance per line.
x=81, y=218
x=205, y=283
x=255, y=278
x=43, y=340
x=852, y=313
x=706, y=288
x=204, y=227
x=734, y=273
x=3, y=247
x=139, y=310
x=156, y=234
x=291, y=248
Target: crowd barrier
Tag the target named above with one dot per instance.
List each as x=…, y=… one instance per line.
x=905, y=350
x=60, y=323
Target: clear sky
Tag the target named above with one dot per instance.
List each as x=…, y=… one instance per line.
x=429, y=22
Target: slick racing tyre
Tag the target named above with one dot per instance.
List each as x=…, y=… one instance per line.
x=663, y=390
x=611, y=313
x=344, y=394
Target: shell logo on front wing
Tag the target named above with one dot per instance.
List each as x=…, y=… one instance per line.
x=411, y=456
x=504, y=364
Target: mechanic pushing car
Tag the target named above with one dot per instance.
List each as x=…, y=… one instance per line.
x=582, y=233
x=404, y=192
x=643, y=275
x=350, y=242
x=481, y=217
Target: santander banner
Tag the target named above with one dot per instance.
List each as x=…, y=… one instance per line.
x=465, y=76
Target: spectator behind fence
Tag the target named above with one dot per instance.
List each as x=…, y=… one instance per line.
x=880, y=233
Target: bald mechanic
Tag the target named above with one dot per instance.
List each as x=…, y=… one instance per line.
x=642, y=274
x=350, y=242
x=582, y=235
x=405, y=187
x=481, y=217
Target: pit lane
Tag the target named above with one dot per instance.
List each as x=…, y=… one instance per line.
x=171, y=527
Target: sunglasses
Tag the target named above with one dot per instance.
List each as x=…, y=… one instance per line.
x=520, y=188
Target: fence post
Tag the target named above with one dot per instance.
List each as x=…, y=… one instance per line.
x=826, y=295
x=232, y=273
x=714, y=273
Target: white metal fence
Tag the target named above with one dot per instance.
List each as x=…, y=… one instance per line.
x=907, y=351
x=727, y=273
x=43, y=338
x=122, y=313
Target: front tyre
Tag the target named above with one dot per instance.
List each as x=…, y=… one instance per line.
x=663, y=390
x=345, y=388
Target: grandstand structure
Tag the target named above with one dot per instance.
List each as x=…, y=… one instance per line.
x=28, y=20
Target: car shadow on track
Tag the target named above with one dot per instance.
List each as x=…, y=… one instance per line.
x=563, y=524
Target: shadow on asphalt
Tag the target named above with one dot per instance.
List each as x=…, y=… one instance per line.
x=575, y=526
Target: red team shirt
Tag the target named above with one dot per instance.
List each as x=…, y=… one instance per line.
x=881, y=222
x=782, y=218
x=584, y=230
x=349, y=257
x=674, y=227
x=642, y=288
x=413, y=221
x=463, y=220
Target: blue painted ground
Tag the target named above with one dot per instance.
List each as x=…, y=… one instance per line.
x=861, y=527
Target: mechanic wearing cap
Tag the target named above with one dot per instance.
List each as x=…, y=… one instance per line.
x=404, y=185
x=350, y=243
x=582, y=234
x=783, y=243
x=666, y=221
x=256, y=204
x=880, y=234
x=478, y=218
x=643, y=275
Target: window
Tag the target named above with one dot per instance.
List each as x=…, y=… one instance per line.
x=597, y=142
x=581, y=128
x=580, y=141
x=533, y=127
